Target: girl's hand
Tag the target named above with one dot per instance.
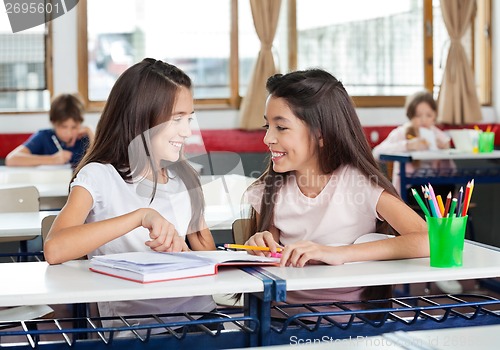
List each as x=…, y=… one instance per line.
x=263, y=239
x=417, y=144
x=306, y=252
x=164, y=236
x=443, y=144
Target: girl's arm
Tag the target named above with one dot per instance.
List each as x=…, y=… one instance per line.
x=202, y=241
x=22, y=156
x=412, y=242
x=69, y=238
x=395, y=142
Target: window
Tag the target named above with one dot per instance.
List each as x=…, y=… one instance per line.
x=25, y=77
x=382, y=50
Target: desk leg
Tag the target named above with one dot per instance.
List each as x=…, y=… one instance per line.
x=259, y=304
x=403, y=179
x=80, y=315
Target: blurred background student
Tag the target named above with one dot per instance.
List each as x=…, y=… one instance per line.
x=418, y=134
x=65, y=142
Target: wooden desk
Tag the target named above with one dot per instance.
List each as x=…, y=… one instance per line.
x=443, y=176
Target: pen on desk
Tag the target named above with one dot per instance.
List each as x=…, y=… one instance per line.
x=249, y=247
x=56, y=142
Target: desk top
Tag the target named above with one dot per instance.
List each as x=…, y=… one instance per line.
x=36, y=174
x=35, y=283
x=29, y=224
x=23, y=224
x=479, y=262
x=440, y=154
x=45, y=190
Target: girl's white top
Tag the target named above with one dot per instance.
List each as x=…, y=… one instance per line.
x=342, y=212
x=112, y=197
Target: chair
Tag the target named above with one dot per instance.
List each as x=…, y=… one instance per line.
x=21, y=199
x=238, y=232
x=238, y=229
x=46, y=225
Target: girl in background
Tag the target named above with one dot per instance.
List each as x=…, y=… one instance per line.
x=421, y=110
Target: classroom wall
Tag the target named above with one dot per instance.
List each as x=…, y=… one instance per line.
x=66, y=80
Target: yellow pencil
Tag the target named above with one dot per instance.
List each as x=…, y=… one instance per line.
x=249, y=247
x=440, y=204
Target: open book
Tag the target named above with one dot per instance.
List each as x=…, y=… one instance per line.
x=147, y=267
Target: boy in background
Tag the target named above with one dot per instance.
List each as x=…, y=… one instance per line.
x=65, y=143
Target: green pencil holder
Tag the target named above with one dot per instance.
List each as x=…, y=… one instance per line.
x=446, y=240
x=486, y=142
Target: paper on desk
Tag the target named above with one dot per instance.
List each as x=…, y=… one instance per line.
x=428, y=135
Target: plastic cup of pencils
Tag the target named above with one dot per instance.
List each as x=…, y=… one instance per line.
x=446, y=240
x=486, y=142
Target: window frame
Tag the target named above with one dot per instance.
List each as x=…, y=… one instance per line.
x=232, y=102
x=483, y=16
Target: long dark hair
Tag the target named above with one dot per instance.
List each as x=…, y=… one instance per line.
x=143, y=97
x=321, y=102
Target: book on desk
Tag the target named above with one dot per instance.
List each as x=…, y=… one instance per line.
x=148, y=267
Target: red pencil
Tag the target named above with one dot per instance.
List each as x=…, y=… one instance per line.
x=467, y=197
x=447, y=205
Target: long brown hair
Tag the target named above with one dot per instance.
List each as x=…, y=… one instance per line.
x=321, y=102
x=143, y=97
